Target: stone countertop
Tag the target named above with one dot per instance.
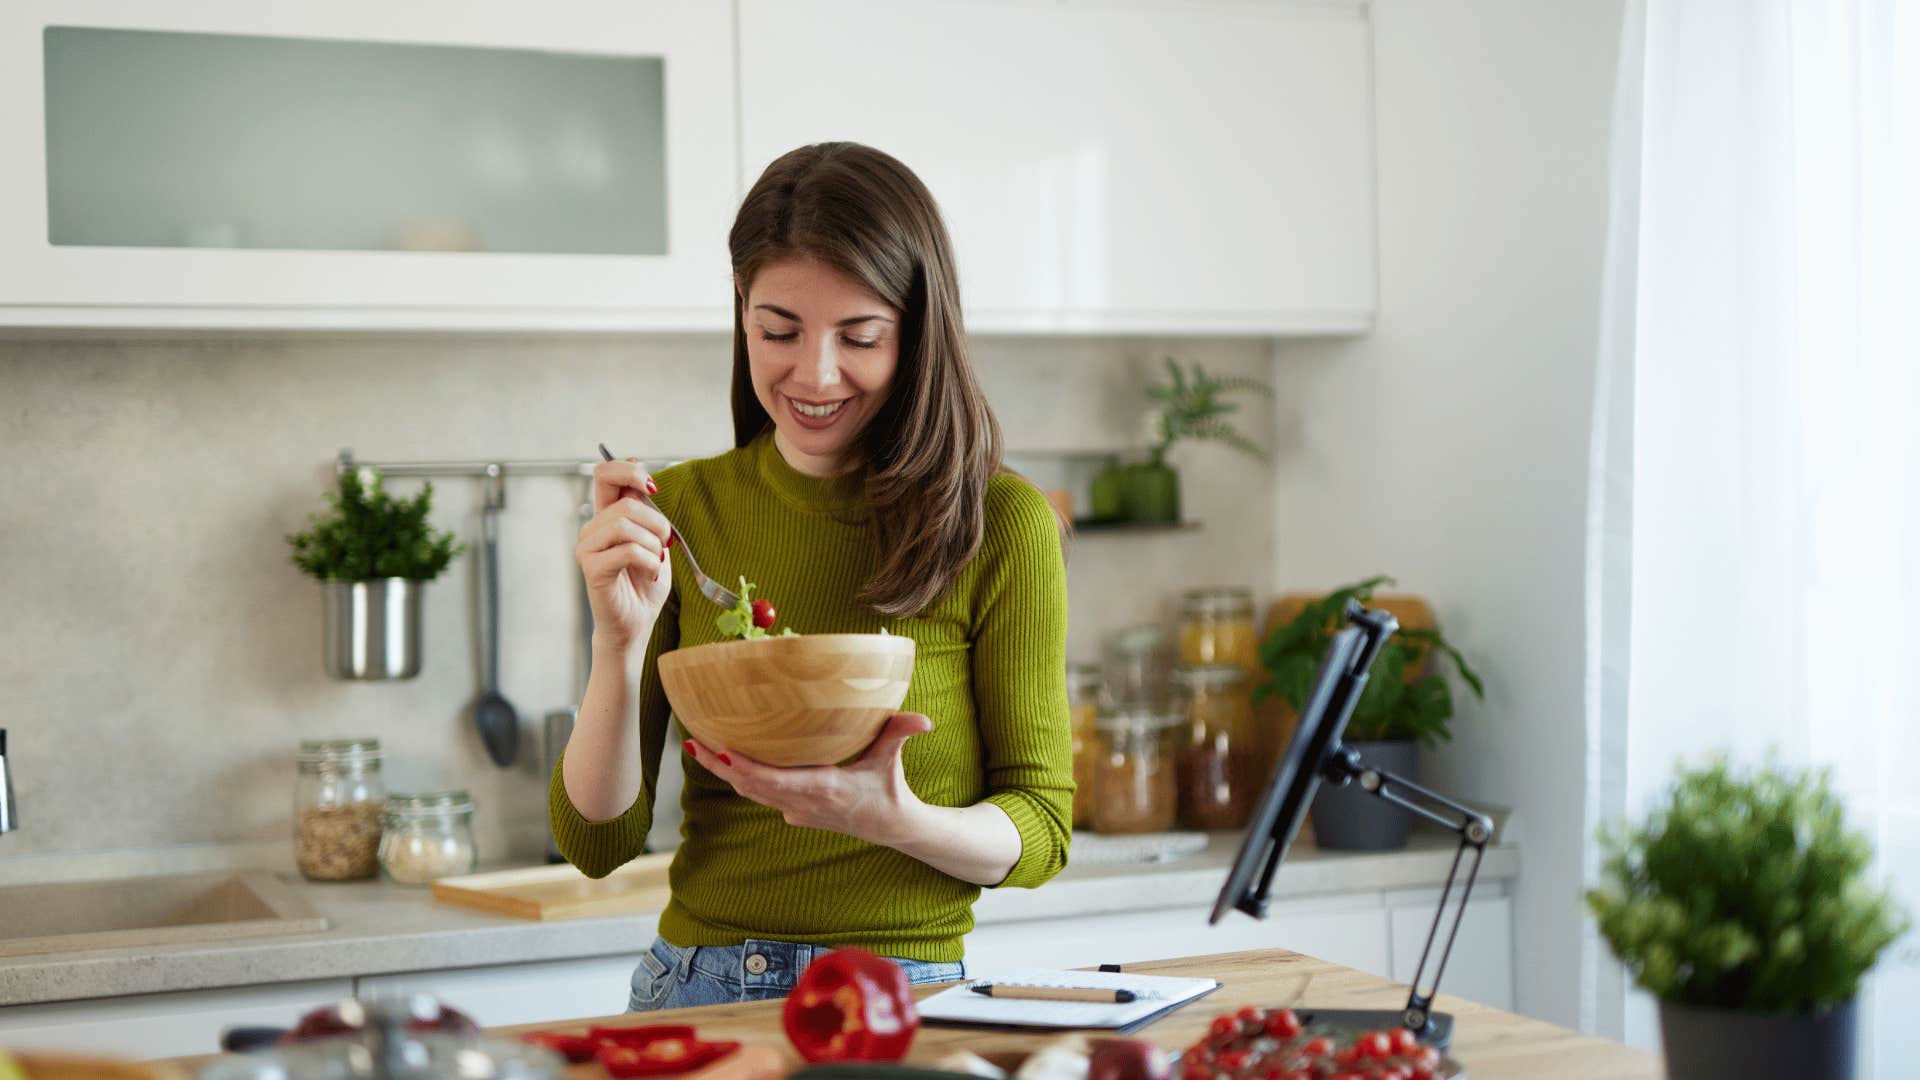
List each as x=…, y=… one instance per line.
x=378, y=928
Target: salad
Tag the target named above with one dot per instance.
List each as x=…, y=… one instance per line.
x=750, y=618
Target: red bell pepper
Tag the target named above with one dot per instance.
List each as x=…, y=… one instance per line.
x=851, y=1005
x=577, y=1049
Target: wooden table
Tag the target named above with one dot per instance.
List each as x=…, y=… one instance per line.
x=1493, y=1045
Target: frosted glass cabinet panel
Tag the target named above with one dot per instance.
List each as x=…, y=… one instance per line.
x=433, y=164
x=159, y=139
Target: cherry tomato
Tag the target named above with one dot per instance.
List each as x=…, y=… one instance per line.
x=1318, y=1047
x=1405, y=1041
x=1426, y=1057
x=1248, y=1015
x=1421, y=1072
x=1377, y=1045
x=1282, y=1024
x=1196, y=1071
x=1235, y=1060
x=1223, y=1026
x=763, y=614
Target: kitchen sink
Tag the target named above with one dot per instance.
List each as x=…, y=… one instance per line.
x=132, y=913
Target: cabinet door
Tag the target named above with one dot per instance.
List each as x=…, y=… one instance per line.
x=1480, y=968
x=1344, y=934
x=162, y=1025
x=366, y=163
x=1128, y=167
x=523, y=993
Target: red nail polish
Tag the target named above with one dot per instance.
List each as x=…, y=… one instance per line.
x=691, y=751
x=652, y=488
x=670, y=535
x=724, y=759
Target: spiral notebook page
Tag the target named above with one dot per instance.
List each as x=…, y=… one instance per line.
x=1153, y=995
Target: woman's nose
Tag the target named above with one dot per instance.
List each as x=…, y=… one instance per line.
x=822, y=369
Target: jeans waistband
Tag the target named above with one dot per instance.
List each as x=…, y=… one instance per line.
x=753, y=963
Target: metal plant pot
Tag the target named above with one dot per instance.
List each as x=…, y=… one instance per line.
x=1710, y=1044
x=1350, y=819
x=373, y=628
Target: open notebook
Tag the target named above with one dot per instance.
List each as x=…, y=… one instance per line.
x=1154, y=996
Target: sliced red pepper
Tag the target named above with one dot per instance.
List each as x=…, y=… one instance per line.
x=850, y=1005
x=577, y=1049
x=662, y=1057
x=640, y=1034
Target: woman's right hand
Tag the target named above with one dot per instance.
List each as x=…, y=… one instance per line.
x=623, y=556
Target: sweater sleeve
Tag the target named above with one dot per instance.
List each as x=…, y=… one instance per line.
x=1019, y=677
x=599, y=848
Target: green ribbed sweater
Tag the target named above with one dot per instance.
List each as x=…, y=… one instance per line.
x=989, y=669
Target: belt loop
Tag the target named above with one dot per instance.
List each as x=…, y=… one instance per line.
x=686, y=962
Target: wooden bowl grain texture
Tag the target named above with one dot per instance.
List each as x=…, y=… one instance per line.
x=815, y=699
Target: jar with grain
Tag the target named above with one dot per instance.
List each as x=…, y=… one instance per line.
x=1221, y=761
x=427, y=836
x=337, y=801
x=1216, y=627
x=1135, y=784
x=1085, y=687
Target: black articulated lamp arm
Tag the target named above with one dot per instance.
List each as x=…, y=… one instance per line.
x=1475, y=830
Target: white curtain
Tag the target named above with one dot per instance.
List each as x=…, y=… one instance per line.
x=1754, y=533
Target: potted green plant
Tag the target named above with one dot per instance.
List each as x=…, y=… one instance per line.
x=1742, y=904
x=1191, y=407
x=373, y=555
x=1402, y=707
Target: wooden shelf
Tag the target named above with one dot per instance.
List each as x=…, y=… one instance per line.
x=1102, y=525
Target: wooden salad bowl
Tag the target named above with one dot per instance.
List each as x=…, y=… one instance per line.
x=813, y=699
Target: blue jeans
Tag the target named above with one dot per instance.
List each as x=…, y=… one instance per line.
x=670, y=977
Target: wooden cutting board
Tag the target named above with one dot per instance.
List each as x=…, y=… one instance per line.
x=562, y=892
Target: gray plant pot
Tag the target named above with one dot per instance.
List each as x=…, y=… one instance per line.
x=373, y=628
x=1710, y=1044
x=1349, y=819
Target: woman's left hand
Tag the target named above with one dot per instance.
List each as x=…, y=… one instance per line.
x=867, y=798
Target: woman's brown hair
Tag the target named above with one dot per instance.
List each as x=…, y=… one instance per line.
x=927, y=454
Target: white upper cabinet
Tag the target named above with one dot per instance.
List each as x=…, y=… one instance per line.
x=433, y=163
x=1122, y=166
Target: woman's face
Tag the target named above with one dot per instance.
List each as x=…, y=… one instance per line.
x=822, y=351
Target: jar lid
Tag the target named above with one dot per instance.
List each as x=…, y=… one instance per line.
x=1210, y=676
x=452, y=801
x=339, y=750
x=1137, y=720
x=1219, y=601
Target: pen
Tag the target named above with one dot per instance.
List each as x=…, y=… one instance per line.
x=1054, y=993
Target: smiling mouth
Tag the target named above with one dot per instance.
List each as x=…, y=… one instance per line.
x=817, y=412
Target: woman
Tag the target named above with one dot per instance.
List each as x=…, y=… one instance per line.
x=865, y=492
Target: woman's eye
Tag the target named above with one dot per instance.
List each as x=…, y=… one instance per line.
x=861, y=344
x=768, y=335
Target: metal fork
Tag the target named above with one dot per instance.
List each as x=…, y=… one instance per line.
x=709, y=588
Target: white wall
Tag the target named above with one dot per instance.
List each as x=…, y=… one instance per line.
x=160, y=659
x=1449, y=448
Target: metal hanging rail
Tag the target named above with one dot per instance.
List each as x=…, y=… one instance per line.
x=494, y=471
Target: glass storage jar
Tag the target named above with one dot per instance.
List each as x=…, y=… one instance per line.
x=427, y=836
x=337, y=797
x=1136, y=668
x=1216, y=627
x=1135, y=788
x=1085, y=686
x=1221, y=761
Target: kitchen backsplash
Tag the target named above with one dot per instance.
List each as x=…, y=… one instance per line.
x=161, y=657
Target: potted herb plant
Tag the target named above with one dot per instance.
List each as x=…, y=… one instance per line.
x=1742, y=904
x=373, y=554
x=1402, y=707
x=1191, y=407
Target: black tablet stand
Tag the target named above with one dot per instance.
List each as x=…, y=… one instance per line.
x=1318, y=756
